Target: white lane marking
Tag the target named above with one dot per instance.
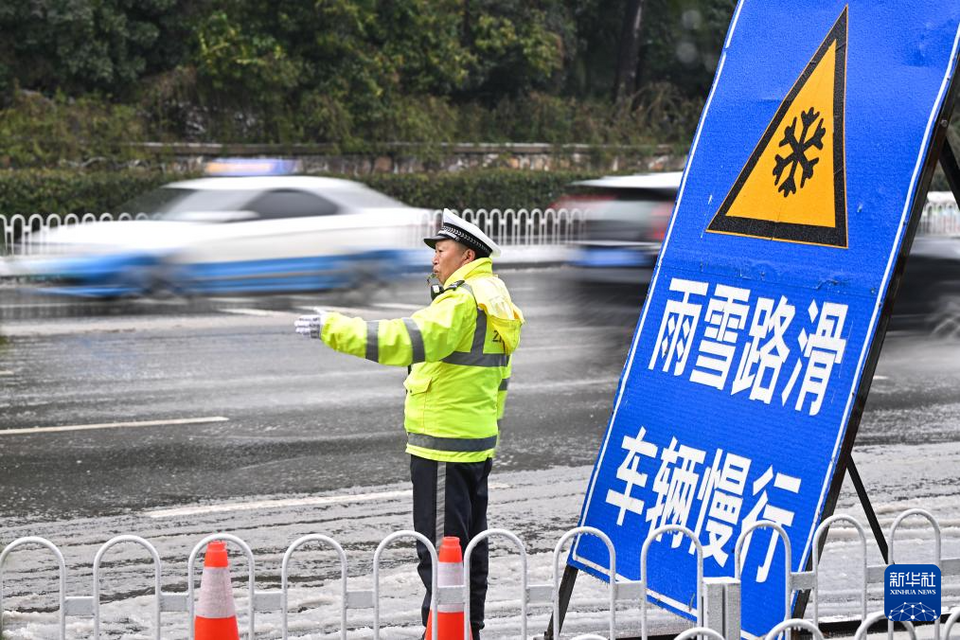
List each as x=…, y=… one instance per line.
x=881, y=378
x=181, y=512
x=321, y=307
x=6, y=373
x=256, y=312
x=607, y=383
x=397, y=305
x=281, y=503
x=134, y=324
x=114, y=425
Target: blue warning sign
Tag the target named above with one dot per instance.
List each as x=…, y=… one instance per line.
x=745, y=368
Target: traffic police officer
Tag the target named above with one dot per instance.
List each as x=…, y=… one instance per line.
x=458, y=353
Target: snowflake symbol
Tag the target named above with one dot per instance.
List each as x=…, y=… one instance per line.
x=798, y=152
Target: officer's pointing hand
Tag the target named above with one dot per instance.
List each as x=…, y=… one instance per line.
x=310, y=326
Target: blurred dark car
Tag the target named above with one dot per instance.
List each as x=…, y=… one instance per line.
x=624, y=222
x=929, y=292
x=625, y=219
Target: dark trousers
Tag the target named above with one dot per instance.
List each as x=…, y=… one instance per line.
x=450, y=498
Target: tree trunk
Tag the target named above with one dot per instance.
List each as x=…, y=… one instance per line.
x=628, y=58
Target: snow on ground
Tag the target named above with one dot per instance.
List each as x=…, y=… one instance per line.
x=536, y=505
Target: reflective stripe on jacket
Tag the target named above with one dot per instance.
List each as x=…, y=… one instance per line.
x=458, y=350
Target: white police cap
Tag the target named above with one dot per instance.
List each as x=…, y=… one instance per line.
x=456, y=228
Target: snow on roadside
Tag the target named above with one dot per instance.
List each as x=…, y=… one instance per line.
x=536, y=505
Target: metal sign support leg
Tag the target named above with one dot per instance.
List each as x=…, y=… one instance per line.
x=566, y=590
x=868, y=508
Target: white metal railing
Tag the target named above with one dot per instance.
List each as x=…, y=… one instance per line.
x=509, y=227
x=941, y=216
x=23, y=234
x=17, y=231
x=622, y=593
x=526, y=227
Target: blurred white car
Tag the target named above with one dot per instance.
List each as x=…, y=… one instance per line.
x=237, y=234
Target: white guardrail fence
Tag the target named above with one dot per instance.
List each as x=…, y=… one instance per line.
x=509, y=227
x=22, y=234
x=941, y=217
x=715, y=620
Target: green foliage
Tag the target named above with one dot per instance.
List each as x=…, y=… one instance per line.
x=61, y=191
x=357, y=73
x=682, y=42
x=232, y=60
x=487, y=189
x=516, y=46
x=37, y=131
x=939, y=182
x=246, y=75
x=662, y=115
x=79, y=46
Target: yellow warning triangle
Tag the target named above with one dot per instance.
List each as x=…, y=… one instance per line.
x=793, y=187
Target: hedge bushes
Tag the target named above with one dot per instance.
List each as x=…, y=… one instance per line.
x=63, y=191
x=487, y=189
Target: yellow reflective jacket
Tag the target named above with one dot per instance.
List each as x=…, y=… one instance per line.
x=458, y=350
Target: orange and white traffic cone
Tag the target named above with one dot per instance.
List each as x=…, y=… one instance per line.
x=216, y=615
x=449, y=574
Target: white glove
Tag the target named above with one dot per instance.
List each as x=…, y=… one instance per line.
x=311, y=326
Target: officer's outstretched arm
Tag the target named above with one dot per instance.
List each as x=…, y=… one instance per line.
x=430, y=334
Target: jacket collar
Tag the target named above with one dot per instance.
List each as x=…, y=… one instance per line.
x=479, y=267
